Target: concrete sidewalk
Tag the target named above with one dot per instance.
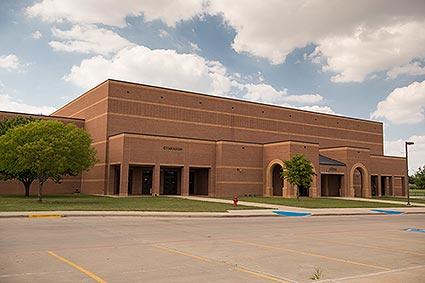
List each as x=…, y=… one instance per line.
x=267, y=211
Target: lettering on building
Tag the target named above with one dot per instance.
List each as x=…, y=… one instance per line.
x=172, y=148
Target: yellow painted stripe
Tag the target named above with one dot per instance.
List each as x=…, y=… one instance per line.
x=44, y=215
x=95, y=277
x=313, y=255
x=222, y=263
x=363, y=246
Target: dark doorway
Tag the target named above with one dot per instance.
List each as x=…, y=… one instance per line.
x=277, y=181
x=374, y=182
x=331, y=185
x=146, y=181
x=130, y=181
x=198, y=181
x=117, y=173
x=170, y=179
x=383, y=185
x=304, y=191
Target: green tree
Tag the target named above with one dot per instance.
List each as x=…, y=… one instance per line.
x=26, y=177
x=47, y=149
x=7, y=124
x=419, y=178
x=298, y=171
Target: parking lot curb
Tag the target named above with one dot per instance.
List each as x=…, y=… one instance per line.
x=180, y=215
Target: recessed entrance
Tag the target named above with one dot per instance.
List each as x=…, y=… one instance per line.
x=277, y=181
x=374, y=184
x=140, y=180
x=357, y=183
x=331, y=185
x=170, y=181
x=198, y=181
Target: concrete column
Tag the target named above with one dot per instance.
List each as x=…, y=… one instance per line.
x=379, y=186
x=156, y=180
x=184, y=184
x=387, y=188
x=211, y=182
x=124, y=179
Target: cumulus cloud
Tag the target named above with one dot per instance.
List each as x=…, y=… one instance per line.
x=416, y=151
x=114, y=13
x=10, y=63
x=37, y=34
x=413, y=69
x=268, y=94
x=88, y=39
x=368, y=50
x=404, y=105
x=8, y=103
x=157, y=67
x=363, y=37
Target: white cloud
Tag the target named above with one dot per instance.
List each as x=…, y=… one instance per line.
x=354, y=38
x=405, y=105
x=88, y=39
x=10, y=63
x=114, y=13
x=8, y=103
x=367, y=50
x=413, y=69
x=37, y=35
x=268, y=94
x=157, y=67
x=416, y=151
x=194, y=47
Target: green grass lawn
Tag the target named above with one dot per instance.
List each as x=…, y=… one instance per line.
x=101, y=203
x=316, y=202
x=417, y=192
x=403, y=199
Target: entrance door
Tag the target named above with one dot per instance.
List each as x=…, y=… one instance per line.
x=170, y=183
x=146, y=181
x=374, y=182
x=277, y=181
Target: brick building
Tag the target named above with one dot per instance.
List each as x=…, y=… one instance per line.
x=158, y=141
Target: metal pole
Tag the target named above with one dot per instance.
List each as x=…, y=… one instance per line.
x=407, y=173
x=406, y=143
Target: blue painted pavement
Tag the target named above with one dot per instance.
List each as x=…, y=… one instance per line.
x=289, y=213
x=388, y=211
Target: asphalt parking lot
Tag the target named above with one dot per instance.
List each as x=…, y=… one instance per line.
x=272, y=249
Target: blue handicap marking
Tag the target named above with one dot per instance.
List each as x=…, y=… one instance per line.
x=290, y=213
x=414, y=230
x=388, y=211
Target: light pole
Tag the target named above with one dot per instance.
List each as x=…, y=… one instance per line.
x=406, y=143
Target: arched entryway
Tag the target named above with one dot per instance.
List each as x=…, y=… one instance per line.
x=274, y=183
x=359, y=184
x=277, y=183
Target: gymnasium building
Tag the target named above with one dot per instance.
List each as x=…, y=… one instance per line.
x=158, y=141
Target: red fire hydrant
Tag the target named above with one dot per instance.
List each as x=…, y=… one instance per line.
x=235, y=201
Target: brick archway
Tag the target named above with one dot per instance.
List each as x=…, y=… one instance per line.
x=365, y=190
x=268, y=190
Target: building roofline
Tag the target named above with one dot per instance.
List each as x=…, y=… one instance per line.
x=42, y=115
x=220, y=98
x=81, y=96
x=344, y=146
x=387, y=156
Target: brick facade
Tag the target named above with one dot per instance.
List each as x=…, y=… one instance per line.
x=154, y=141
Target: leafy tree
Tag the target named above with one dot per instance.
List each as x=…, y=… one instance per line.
x=7, y=124
x=26, y=177
x=298, y=171
x=47, y=149
x=419, y=178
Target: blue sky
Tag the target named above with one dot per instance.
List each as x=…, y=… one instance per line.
x=363, y=59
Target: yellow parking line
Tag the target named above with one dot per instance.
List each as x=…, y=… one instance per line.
x=222, y=263
x=95, y=277
x=363, y=246
x=313, y=255
x=44, y=215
